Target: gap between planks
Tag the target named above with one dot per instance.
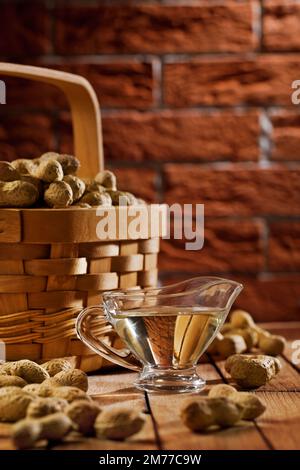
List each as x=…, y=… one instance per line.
x=117, y=388
x=276, y=429
x=279, y=425
x=173, y=434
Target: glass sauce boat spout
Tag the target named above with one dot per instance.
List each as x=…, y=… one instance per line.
x=206, y=292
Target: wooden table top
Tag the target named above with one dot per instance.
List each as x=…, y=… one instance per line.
x=277, y=428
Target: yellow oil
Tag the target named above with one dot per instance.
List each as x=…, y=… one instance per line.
x=168, y=336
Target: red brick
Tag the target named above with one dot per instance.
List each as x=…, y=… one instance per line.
x=140, y=181
x=155, y=28
x=285, y=135
x=65, y=133
x=264, y=80
x=284, y=246
x=281, y=25
x=228, y=246
x=25, y=136
x=273, y=298
x=183, y=135
x=25, y=29
x=31, y=94
x=125, y=83
x=235, y=190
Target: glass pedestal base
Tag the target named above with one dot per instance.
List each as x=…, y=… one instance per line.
x=153, y=379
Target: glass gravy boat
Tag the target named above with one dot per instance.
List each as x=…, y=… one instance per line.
x=165, y=329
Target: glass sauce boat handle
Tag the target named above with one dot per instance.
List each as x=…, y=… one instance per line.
x=122, y=357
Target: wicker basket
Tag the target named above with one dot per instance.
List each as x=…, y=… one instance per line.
x=52, y=264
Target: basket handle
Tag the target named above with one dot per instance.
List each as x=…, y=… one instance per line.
x=85, y=111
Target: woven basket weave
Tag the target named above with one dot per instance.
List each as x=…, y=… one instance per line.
x=52, y=263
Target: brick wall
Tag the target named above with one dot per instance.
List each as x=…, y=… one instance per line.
x=196, y=102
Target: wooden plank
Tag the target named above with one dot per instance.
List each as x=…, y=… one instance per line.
x=149, y=246
x=148, y=278
x=19, y=283
x=48, y=331
x=77, y=225
x=129, y=263
x=175, y=435
x=290, y=330
x=10, y=225
x=89, y=363
x=280, y=422
x=63, y=225
x=112, y=386
x=140, y=441
x=109, y=389
x=94, y=282
x=18, y=339
x=98, y=250
x=5, y=441
x=55, y=348
x=277, y=428
x=19, y=318
x=56, y=317
x=150, y=261
x=24, y=251
x=101, y=265
x=120, y=264
x=93, y=298
x=15, y=352
x=128, y=280
x=64, y=250
x=60, y=299
x=78, y=348
x=12, y=303
x=62, y=266
x=57, y=283
x=129, y=248
x=14, y=330
x=14, y=266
